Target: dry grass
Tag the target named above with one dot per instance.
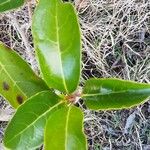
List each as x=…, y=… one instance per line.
x=116, y=43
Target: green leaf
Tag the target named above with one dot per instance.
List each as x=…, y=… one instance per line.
x=26, y=129
x=10, y=4
x=17, y=80
x=57, y=41
x=64, y=130
x=114, y=93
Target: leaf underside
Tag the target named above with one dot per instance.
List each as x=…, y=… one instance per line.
x=102, y=94
x=6, y=5
x=64, y=130
x=57, y=40
x=17, y=80
x=26, y=129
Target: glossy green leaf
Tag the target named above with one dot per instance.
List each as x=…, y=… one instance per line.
x=10, y=4
x=114, y=93
x=17, y=80
x=64, y=130
x=57, y=42
x=26, y=129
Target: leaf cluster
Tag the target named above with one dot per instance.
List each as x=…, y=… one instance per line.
x=42, y=115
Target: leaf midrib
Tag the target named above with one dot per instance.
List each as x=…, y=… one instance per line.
x=51, y=108
x=5, y=2
x=117, y=92
x=66, y=128
x=3, y=68
x=59, y=50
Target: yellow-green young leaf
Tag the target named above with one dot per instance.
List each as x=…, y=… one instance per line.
x=102, y=94
x=57, y=42
x=64, y=130
x=10, y=4
x=17, y=80
x=26, y=129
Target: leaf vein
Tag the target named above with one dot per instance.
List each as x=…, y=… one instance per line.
x=32, y=124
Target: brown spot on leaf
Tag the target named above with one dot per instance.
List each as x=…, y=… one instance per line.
x=5, y=86
x=19, y=99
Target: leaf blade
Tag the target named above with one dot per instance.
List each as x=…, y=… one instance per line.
x=103, y=94
x=6, y=5
x=67, y=122
x=57, y=41
x=25, y=130
x=17, y=80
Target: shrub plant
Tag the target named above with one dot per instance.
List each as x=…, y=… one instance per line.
x=43, y=115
